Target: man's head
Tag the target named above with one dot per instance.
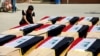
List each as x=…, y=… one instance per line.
x=30, y=7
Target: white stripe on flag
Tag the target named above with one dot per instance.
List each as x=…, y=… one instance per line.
x=51, y=17
x=49, y=27
x=18, y=41
x=2, y=36
x=26, y=26
x=87, y=18
x=52, y=42
x=67, y=19
x=75, y=28
x=96, y=29
x=84, y=44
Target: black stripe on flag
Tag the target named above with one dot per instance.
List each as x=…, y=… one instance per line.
x=62, y=45
x=56, y=31
x=30, y=29
x=6, y=39
x=95, y=47
x=94, y=20
x=28, y=44
x=83, y=31
x=74, y=20
x=54, y=20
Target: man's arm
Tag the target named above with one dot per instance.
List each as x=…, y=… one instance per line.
x=24, y=17
x=33, y=16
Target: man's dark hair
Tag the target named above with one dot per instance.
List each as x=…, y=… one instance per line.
x=30, y=7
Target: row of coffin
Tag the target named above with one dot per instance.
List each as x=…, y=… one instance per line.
x=70, y=20
x=51, y=40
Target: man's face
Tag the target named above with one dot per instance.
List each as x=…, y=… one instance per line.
x=30, y=11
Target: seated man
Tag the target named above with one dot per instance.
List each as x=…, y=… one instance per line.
x=7, y=5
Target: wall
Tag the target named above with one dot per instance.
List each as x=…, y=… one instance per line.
x=84, y=1
x=65, y=1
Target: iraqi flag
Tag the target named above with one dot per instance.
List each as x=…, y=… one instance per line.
x=89, y=21
x=22, y=30
x=9, y=51
x=52, y=46
x=25, y=42
x=84, y=47
x=6, y=38
x=94, y=32
x=48, y=30
x=68, y=20
x=75, y=31
x=50, y=19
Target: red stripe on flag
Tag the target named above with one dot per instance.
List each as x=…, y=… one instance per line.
x=44, y=18
x=13, y=39
x=90, y=28
x=75, y=42
x=81, y=18
x=18, y=26
x=43, y=41
x=66, y=28
x=43, y=26
x=61, y=18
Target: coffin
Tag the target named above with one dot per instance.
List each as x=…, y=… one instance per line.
x=68, y=20
x=6, y=38
x=94, y=32
x=89, y=21
x=75, y=31
x=50, y=19
x=10, y=51
x=22, y=30
x=48, y=30
x=25, y=42
x=52, y=46
x=85, y=47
